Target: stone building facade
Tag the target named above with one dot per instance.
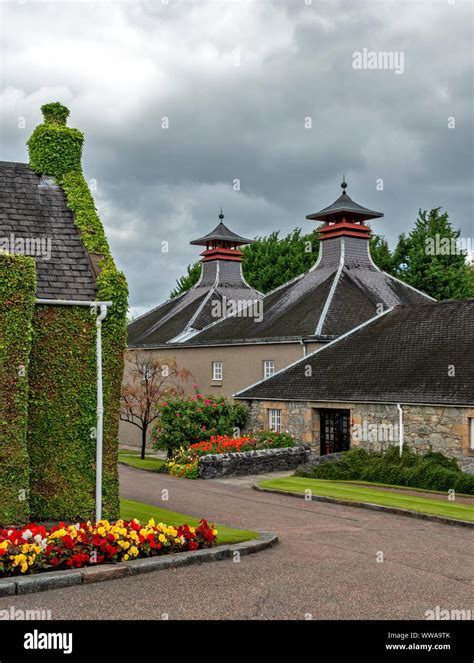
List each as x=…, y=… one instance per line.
x=375, y=426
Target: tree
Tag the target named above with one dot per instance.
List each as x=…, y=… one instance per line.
x=381, y=254
x=268, y=262
x=188, y=280
x=431, y=258
x=271, y=261
x=148, y=379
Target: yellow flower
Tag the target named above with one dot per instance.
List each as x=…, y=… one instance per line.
x=162, y=538
x=151, y=522
x=133, y=551
x=24, y=567
x=123, y=544
x=214, y=531
x=126, y=557
x=58, y=534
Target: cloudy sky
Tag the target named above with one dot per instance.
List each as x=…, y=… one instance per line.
x=237, y=81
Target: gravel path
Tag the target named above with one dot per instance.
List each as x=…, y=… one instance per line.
x=325, y=565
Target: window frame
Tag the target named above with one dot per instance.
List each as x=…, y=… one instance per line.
x=265, y=362
x=215, y=365
x=274, y=413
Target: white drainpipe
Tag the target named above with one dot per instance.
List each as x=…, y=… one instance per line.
x=102, y=308
x=400, y=426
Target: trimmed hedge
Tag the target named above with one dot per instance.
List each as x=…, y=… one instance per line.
x=17, y=299
x=433, y=471
x=63, y=367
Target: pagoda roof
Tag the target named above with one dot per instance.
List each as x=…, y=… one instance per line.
x=344, y=204
x=221, y=232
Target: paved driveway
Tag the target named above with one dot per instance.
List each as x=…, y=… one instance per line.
x=325, y=565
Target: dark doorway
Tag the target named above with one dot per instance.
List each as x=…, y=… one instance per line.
x=335, y=431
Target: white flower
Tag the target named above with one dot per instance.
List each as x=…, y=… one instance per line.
x=38, y=538
x=27, y=534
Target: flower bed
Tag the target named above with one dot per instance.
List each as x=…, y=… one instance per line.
x=35, y=548
x=185, y=463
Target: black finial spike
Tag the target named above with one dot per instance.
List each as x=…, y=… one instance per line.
x=344, y=183
x=221, y=216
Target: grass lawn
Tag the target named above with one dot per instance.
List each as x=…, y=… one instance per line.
x=342, y=490
x=143, y=512
x=132, y=458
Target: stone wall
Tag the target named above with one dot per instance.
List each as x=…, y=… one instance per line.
x=374, y=426
x=244, y=463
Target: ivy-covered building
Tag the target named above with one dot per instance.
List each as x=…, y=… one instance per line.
x=57, y=282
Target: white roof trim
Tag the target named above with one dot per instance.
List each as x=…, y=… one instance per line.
x=332, y=291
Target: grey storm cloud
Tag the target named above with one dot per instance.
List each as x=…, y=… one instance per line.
x=237, y=81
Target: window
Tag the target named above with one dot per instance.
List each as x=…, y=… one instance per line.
x=217, y=371
x=274, y=420
x=471, y=426
x=268, y=368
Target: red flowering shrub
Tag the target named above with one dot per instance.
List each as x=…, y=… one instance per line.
x=222, y=444
x=35, y=548
x=189, y=419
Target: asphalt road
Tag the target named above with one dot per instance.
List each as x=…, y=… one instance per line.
x=325, y=567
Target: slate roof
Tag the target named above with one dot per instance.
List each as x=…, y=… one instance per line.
x=35, y=208
x=221, y=232
x=402, y=356
x=221, y=282
x=341, y=291
x=344, y=204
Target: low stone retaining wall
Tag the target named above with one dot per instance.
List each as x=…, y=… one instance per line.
x=252, y=462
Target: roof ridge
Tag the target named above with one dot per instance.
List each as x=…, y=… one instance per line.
x=330, y=297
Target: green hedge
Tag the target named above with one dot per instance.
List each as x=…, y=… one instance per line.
x=61, y=413
x=433, y=471
x=17, y=298
x=63, y=370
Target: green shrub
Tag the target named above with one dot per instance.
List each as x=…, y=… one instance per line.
x=273, y=439
x=433, y=471
x=186, y=420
